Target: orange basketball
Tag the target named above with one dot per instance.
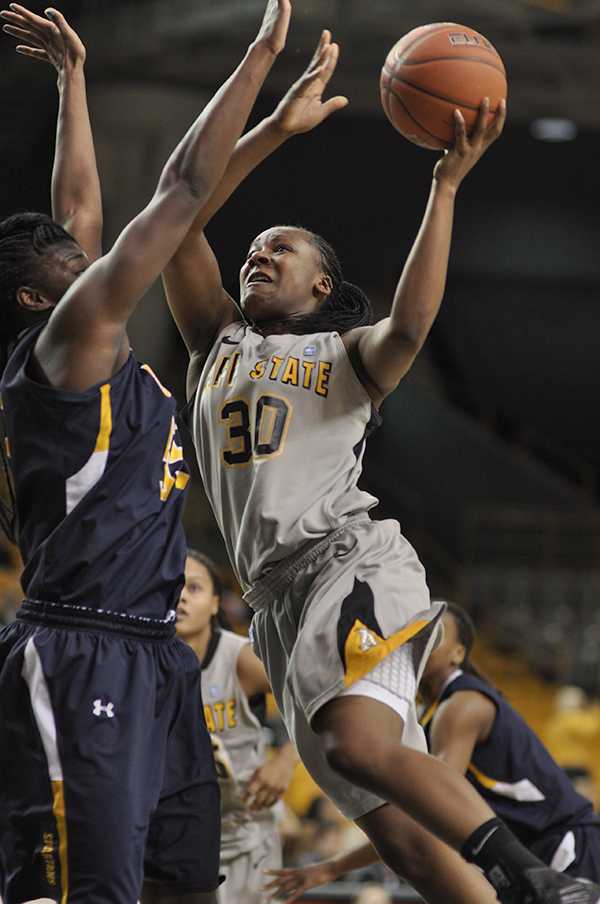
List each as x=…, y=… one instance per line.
x=434, y=70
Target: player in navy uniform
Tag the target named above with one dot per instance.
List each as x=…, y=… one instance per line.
x=106, y=774
x=473, y=728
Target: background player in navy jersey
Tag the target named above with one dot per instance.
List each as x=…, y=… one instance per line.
x=106, y=773
x=281, y=399
x=473, y=728
x=234, y=685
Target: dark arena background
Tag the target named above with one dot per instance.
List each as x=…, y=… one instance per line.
x=489, y=453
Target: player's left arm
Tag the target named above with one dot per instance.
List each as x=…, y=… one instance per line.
x=251, y=673
x=461, y=722
x=388, y=349
x=76, y=194
x=270, y=781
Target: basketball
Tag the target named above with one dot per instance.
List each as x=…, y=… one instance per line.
x=434, y=70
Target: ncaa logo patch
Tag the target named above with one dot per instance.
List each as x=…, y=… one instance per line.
x=310, y=351
x=367, y=640
x=214, y=690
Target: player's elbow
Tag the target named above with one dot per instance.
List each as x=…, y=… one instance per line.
x=184, y=182
x=408, y=338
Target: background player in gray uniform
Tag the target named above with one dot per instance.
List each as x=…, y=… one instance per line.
x=234, y=684
x=282, y=400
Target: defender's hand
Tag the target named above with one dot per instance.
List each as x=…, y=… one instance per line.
x=303, y=108
x=290, y=884
x=50, y=39
x=467, y=150
x=275, y=24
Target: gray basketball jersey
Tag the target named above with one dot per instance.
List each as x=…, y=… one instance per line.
x=279, y=425
x=238, y=744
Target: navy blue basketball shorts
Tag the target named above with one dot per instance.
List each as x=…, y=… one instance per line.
x=106, y=769
x=574, y=850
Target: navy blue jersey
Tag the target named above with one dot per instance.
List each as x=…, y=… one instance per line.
x=514, y=772
x=98, y=478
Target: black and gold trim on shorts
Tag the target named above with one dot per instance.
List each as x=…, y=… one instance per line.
x=361, y=644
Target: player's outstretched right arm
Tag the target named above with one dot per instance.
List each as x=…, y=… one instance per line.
x=199, y=303
x=84, y=341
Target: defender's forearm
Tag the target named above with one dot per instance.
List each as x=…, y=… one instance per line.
x=76, y=193
x=202, y=163
x=250, y=151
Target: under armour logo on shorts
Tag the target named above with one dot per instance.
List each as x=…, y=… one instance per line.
x=108, y=709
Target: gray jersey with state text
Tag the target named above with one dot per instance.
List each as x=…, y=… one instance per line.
x=279, y=425
x=238, y=744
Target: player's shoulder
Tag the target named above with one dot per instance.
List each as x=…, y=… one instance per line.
x=233, y=641
x=466, y=708
x=227, y=337
x=467, y=681
x=352, y=337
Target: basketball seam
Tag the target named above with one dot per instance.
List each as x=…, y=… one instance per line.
x=450, y=100
x=421, y=38
x=453, y=59
x=416, y=121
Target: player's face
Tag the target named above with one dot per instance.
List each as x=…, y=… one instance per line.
x=282, y=276
x=198, y=602
x=449, y=654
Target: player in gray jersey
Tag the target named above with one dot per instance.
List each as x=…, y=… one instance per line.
x=282, y=394
x=234, y=685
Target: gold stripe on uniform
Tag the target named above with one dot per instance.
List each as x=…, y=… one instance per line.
x=428, y=714
x=484, y=780
x=58, y=808
x=364, y=648
x=103, y=438
x=163, y=389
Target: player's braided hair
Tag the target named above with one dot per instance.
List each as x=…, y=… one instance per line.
x=344, y=309
x=466, y=634
x=24, y=240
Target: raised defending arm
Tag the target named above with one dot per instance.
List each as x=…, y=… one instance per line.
x=83, y=342
x=198, y=301
x=76, y=196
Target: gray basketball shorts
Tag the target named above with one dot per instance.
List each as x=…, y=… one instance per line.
x=245, y=873
x=326, y=618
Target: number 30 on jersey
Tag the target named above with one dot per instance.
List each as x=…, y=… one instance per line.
x=255, y=434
